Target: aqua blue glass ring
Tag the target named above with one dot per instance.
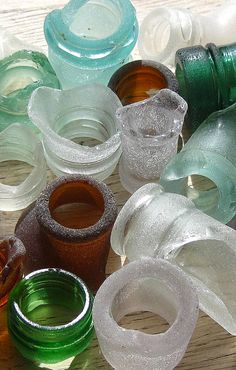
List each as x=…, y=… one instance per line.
x=89, y=40
x=210, y=155
x=50, y=316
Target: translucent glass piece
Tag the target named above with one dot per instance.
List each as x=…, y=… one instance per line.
x=84, y=112
x=89, y=40
x=146, y=285
x=208, y=153
x=19, y=143
x=50, y=316
x=12, y=253
x=165, y=30
x=150, y=132
x=69, y=227
x=22, y=70
x=164, y=225
x=141, y=79
x=207, y=80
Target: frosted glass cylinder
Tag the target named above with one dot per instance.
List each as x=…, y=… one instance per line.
x=210, y=152
x=19, y=143
x=145, y=285
x=164, y=225
x=165, y=30
x=84, y=112
x=150, y=131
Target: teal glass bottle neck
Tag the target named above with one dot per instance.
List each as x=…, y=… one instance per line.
x=93, y=34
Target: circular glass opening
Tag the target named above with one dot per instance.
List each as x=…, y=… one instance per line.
x=17, y=76
x=155, y=303
x=85, y=127
x=142, y=82
x=203, y=192
x=96, y=20
x=19, y=172
x=41, y=300
x=76, y=205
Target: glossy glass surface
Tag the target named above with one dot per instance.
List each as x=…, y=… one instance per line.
x=12, y=253
x=68, y=118
x=49, y=316
x=150, y=131
x=146, y=285
x=20, y=74
x=206, y=78
x=70, y=228
x=141, y=79
x=89, y=40
x=163, y=225
x=208, y=153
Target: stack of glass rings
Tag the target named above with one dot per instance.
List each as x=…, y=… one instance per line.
x=79, y=114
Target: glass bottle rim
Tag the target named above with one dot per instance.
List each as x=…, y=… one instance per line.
x=45, y=219
x=74, y=46
x=14, y=297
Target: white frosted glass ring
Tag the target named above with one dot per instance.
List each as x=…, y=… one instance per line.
x=152, y=285
x=18, y=142
x=83, y=112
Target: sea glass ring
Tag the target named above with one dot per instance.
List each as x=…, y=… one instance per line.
x=20, y=74
x=141, y=79
x=19, y=143
x=67, y=118
x=89, y=40
x=12, y=252
x=50, y=316
x=152, y=285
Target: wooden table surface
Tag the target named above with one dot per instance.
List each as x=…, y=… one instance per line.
x=211, y=347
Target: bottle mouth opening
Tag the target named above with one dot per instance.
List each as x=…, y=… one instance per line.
x=82, y=194
x=96, y=20
x=47, y=311
x=140, y=80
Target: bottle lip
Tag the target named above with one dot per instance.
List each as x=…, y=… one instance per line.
x=208, y=164
x=61, y=232
x=79, y=50
x=124, y=72
x=141, y=343
x=10, y=102
x=17, y=291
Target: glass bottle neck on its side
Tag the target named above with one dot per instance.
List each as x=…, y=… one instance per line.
x=206, y=78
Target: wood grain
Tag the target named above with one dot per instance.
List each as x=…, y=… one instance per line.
x=211, y=348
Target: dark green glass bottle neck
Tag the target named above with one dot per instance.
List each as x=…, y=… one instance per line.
x=207, y=79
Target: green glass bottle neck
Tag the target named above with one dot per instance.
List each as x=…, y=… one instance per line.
x=207, y=79
x=50, y=310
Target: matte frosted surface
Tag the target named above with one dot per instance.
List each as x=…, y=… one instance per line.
x=150, y=131
x=165, y=30
x=146, y=285
x=18, y=143
x=84, y=112
x=210, y=152
x=157, y=224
